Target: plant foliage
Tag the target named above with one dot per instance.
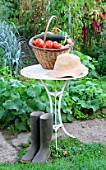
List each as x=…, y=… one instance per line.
x=11, y=48
x=19, y=99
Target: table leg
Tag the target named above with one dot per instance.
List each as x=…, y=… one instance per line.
x=57, y=125
x=59, y=112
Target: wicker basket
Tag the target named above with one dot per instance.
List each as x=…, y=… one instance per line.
x=45, y=56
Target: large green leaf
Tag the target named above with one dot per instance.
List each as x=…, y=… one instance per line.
x=31, y=105
x=82, y=103
x=70, y=117
x=40, y=105
x=13, y=104
x=94, y=104
x=34, y=91
x=64, y=117
x=2, y=85
x=16, y=83
x=75, y=98
x=20, y=125
x=1, y=112
x=8, y=115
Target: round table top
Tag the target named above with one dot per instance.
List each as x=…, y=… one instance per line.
x=39, y=73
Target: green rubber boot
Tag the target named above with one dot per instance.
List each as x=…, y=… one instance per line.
x=35, y=134
x=46, y=126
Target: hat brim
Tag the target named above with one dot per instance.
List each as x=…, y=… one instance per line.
x=75, y=72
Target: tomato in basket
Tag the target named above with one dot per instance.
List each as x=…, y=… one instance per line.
x=39, y=42
x=56, y=45
x=49, y=44
x=33, y=42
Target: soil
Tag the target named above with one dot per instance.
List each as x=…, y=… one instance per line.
x=87, y=131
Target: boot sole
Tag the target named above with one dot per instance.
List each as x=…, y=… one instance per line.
x=45, y=160
x=25, y=162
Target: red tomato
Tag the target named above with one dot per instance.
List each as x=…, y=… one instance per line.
x=49, y=44
x=39, y=42
x=97, y=0
x=56, y=44
x=33, y=42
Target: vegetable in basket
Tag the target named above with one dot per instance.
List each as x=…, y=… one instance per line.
x=38, y=42
x=51, y=36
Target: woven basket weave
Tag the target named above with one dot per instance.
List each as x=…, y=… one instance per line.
x=45, y=56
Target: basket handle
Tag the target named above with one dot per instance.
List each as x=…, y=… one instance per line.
x=48, y=27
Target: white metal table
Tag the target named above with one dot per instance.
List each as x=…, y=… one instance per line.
x=39, y=73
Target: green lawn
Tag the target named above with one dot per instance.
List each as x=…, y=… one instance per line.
x=78, y=156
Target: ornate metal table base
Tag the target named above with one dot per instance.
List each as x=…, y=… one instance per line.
x=58, y=119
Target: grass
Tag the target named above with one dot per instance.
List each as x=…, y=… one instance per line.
x=72, y=155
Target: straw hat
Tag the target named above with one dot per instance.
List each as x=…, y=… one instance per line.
x=67, y=65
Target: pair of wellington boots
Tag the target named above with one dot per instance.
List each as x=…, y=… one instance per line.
x=41, y=133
